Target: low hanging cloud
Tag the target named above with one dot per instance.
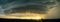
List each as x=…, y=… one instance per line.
x=52, y=12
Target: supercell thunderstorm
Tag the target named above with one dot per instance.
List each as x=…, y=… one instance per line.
x=43, y=9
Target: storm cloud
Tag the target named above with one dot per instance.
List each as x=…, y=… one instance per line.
x=48, y=7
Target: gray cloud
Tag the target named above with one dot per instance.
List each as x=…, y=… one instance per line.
x=42, y=6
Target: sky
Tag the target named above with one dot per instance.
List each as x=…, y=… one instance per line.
x=34, y=6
